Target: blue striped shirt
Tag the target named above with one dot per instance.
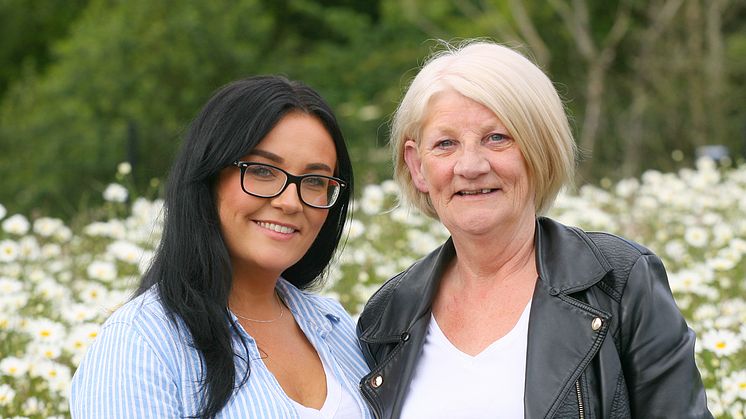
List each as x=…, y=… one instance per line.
x=141, y=366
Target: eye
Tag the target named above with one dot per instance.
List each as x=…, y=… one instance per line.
x=497, y=139
x=258, y=171
x=315, y=182
x=444, y=144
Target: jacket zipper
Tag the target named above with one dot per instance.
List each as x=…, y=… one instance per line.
x=581, y=412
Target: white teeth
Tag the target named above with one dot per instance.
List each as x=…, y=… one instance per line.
x=481, y=191
x=276, y=227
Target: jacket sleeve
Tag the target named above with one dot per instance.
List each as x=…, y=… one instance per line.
x=658, y=348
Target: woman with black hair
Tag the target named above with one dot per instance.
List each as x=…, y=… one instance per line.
x=220, y=326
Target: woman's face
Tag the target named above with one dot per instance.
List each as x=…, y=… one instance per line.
x=268, y=235
x=471, y=168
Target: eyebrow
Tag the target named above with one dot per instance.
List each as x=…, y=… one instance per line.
x=277, y=159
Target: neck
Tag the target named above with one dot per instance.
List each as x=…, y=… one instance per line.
x=496, y=258
x=253, y=294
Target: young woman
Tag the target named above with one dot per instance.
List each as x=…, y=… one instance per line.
x=220, y=325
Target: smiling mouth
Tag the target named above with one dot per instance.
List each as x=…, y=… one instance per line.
x=475, y=192
x=276, y=227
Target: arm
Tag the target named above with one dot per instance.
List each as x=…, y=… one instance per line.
x=122, y=376
x=658, y=348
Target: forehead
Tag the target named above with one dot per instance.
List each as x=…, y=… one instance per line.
x=298, y=139
x=451, y=110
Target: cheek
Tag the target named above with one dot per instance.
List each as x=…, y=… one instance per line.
x=317, y=220
x=223, y=195
x=524, y=188
x=225, y=206
x=437, y=175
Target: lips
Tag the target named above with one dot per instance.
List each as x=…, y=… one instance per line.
x=276, y=227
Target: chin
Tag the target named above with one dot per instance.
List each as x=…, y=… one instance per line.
x=473, y=227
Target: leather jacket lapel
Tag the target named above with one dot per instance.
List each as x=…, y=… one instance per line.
x=400, y=331
x=561, y=327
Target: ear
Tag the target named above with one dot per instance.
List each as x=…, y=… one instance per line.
x=414, y=163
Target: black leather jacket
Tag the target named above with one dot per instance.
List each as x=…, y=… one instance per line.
x=605, y=337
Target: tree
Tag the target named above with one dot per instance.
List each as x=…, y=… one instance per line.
x=132, y=74
x=640, y=78
x=27, y=27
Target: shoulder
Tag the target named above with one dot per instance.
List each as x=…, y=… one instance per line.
x=144, y=314
x=133, y=367
x=144, y=306
x=325, y=304
x=407, y=295
x=618, y=248
x=312, y=306
x=416, y=278
x=142, y=323
x=380, y=299
x=633, y=265
x=613, y=247
x=622, y=259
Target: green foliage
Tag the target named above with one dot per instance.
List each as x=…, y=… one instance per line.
x=27, y=28
x=127, y=81
x=125, y=77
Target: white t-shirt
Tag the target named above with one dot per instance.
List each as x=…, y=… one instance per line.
x=448, y=383
x=339, y=404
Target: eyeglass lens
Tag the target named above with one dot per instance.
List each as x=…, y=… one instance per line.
x=267, y=181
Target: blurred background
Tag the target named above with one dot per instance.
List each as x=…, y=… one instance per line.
x=87, y=84
x=95, y=96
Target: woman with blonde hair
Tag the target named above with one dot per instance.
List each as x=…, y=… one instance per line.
x=516, y=315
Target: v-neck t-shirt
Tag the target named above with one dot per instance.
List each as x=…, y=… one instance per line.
x=448, y=383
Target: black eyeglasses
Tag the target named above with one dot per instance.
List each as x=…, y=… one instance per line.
x=267, y=181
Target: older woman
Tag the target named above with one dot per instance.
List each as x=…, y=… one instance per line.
x=516, y=315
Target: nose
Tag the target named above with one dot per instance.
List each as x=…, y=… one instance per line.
x=471, y=163
x=289, y=200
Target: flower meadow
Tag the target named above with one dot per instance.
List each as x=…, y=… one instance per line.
x=59, y=282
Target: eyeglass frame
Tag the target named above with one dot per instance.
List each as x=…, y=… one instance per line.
x=289, y=179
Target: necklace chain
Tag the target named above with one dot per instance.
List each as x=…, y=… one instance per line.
x=282, y=313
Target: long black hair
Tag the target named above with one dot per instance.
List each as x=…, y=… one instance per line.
x=192, y=268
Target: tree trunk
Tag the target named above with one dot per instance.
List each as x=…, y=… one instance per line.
x=694, y=74
x=714, y=70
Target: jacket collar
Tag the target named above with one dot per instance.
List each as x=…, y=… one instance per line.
x=411, y=295
x=567, y=261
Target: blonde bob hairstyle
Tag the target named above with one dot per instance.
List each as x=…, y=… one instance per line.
x=519, y=94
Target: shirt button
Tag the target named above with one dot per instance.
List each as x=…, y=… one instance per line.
x=596, y=323
x=376, y=381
